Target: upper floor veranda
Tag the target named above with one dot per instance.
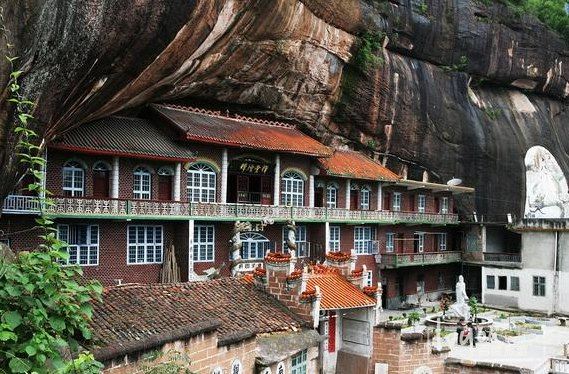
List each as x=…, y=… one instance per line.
x=188, y=164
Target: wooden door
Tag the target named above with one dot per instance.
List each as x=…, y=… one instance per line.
x=165, y=187
x=243, y=189
x=319, y=197
x=266, y=190
x=354, y=200
x=101, y=184
x=387, y=201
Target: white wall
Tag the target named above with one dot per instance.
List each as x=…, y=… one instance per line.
x=524, y=298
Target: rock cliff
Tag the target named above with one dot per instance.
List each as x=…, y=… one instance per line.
x=457, y=88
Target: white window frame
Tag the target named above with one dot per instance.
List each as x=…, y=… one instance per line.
x=281, y=368
x=420, y=236
x=154, y=247
x=254, y=243
x=421, y=203
x=512, y=277
x=331, y=196
x=204, y=243
x=236, y=367
x=335, y=238
x=389, y=242
x=91, y=247
x=368, y=276
x=217, y=370
x=142, y=183
x=301, y=241
x=201, y=185
x=75, y=171
x=493, y=278
x=299, y=362
x=363, y=239
x=365, y=198
x=442, y=241
x=292, y=189
x=396, y=202
x=444, y=205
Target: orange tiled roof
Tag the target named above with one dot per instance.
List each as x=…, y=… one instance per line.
x=215, y=128
x=351, y=164
x=337, y=291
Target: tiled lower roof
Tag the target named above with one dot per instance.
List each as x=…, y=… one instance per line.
x=352, y=164
x=337, y=292
x=137, y=317
x=123, y=136
x=216, y=128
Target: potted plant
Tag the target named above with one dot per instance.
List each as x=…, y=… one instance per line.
x=413, y=319
x=474, y=308
x=444, y=304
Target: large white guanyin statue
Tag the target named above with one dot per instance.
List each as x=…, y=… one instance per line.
x=461, y=308
x=547, y=195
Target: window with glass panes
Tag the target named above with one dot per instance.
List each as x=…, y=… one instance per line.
x=514, y=283
x=363, y=239
x=334, y=238
x=331, y=196
x=142, y=186
x=490, y=282
x=538, y=286
x=364, y=198
x=396, y=202
x=298, y=364
x=145, y=244
x=444, y=205
x=292, y=189
x=301, y=243
x=421, y=203
x=201, y=184
x=204, y=243
x=419, y=242
x=442, y=241
x=82, y=243
x=73, y=179
x=389, y=242
x=255, y=245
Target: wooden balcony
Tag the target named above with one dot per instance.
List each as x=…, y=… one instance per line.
x=151, y=209
x=399, y=260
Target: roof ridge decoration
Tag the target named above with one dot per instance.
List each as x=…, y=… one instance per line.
x=235, y=117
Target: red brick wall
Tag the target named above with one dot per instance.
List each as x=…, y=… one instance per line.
x=20, y=232
x=404, y=356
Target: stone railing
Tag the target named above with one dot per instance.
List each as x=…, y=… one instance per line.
x=559, y=365
x=19, y=204
x=502, y=257
x=396, y=260
x=74, y=206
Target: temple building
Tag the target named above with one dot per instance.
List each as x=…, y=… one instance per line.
x=214, y=192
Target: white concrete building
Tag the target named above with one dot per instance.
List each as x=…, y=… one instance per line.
x=541, y=283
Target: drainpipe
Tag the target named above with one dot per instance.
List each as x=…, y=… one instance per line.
x=556, y=274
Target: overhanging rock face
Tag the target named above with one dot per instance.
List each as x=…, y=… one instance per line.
x=87, y=60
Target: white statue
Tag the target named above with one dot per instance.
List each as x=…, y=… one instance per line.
x=461, y=308
x=236, y=243
x=291, y=238
x=547, y=194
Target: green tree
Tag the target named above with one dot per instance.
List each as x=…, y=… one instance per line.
x=44, y=310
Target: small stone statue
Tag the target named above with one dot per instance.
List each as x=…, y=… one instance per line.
x=291, y=238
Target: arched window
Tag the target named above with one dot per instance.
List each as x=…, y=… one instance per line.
x=236, y=367
x=292, y=189
x=201, y=183
x=254, y=245
x=217, y=370
x=365, y=194
x=267, y=371
x=166, y=171
x=101, y=166
x=142, y=183
x=73, y=179
x=331, y=196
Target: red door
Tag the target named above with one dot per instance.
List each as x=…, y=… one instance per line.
x=387, y=201
x=165, y=187
x=101, y=184
x=332, y=332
